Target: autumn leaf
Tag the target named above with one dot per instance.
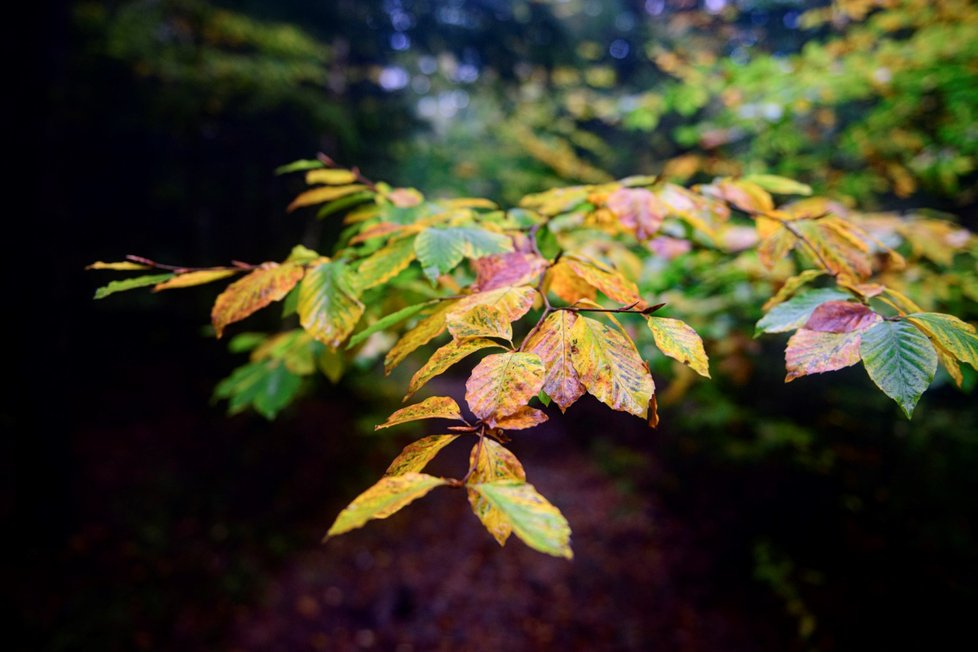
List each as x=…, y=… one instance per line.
x=267, y=284
x=793, y=314
x=511, y=302
x=323, y=194
x=523, y=418
x=427, y=329
x=532, y=518
x=607, y=280
x=444, y=358
x=388, y=496
x=679, y=341
x=779, y=185
x=416, y=456
x=841, y=317
x=506, y=270
x=554, y=344
x=900, y=360
x=502, y=383
x=330, y=176
x=815, y=352
x=198, y=277
x=434, y=407
x=567, y=285
x=774, y=245
x=957, y=337
x=638, y=210
x=328, y=305
x=610, y=367
x=492, y=462
x=121, y=266
x=439, y=250
x=480, y=321
x=384, y=264
x=836, y=247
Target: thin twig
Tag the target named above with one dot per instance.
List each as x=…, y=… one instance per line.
x=328, y=161
x=181, y=269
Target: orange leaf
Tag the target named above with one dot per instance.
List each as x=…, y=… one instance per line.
x=553, y=343
x=270, y=283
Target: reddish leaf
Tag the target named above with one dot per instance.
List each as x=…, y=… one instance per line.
x=813, y=352
x=501, y=270
x=841, y=317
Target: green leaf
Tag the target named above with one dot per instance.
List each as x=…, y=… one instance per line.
x=532, y=518
x=416, y=456
x=328, y=305
x=266, y=386
x=301, y=254
x=440, y=249
x=900, y=360
x=543, y=398
x=389, y=495
x=386, y=322
x=779, y=185
x=245, y=342
x=795, y=312
x=342, y=203
x=956, y=337
x=492, y=462
x=130, y=284
x=299, y=166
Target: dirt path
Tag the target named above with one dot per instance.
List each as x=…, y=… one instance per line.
x=430, y=578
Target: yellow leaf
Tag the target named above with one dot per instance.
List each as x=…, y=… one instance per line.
x=553, y=343
x=525, y=417
x=568, y=286
x=610, y=367
x=388, y=496
x=416, y=456
x=679, y=341
x=330, y=176
x=265, y=285
x=481, y=321
x=837, y=248
x=199, y=277
x=444, y=358
x=494, y=463
x=775, y=246
x=427, y=329
x=324, y=194
x=502, y=383
x=532, y=518
x=511, y=302
x=119, y=267
x=434, y=407
x=610, y=282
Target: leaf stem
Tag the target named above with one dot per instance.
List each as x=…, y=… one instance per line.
x=236, y=265
x=478, y=454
